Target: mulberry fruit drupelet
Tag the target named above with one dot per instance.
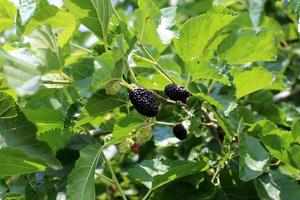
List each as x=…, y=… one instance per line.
x=144, y=102
x=179, y=131
x=176, y=93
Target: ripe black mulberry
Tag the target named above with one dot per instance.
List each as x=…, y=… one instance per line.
x=144, y=102
x=176, y=93
x=179, y=131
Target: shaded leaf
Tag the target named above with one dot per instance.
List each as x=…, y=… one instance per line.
x=14, y=162
x=43, y=43
x=100, y=103
x=253, y=157
x=94, y=14
x=81, y=179
x=156, y=173
x=7, y=106
x=18, y=133
x=277, y=185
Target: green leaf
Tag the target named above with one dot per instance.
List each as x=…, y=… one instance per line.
x=277, y=185
x=18, y=133
x=104, y=66
x=101, y=103
x=295, y=4
x=56, y=138
x=43, y=43
x=22, y=76
x=198, y=32
x=94, y=14
x=256, y=79
x=156, y=173
x=203, y=68
x=7, y=15
x=126, y=125
x=296, y=129
x=57, y=18
x=81, y=179
x=7, y=106
x=14, y=162
x=251, y=46
x=253, y=157
x=45, y=118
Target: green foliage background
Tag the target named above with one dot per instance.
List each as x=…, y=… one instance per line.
x=66, y=124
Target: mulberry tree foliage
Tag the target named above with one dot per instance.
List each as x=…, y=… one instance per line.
x=149, y=99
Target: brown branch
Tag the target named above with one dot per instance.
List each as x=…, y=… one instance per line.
x=285, y=94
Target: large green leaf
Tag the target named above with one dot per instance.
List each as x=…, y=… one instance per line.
x=22, y=76
x=7, y=14
x=163, y=20
x=256, y=79
x=94, y=14
x=104, y=66
x=18, y=133
x=7, y=106
x=55, y=138
x=81, y=179
x=249, y=46
x=55, y=17
x=100, y=103
x=203, y=69
x=156, y=173
x=44, y=44
x=198, y=33
x=277, y=185
x=253, y=157
x=45, y=118
x=126, y=125
x=295, y=4
x=14, y=162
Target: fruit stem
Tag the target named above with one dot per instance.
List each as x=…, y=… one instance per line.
x=105, y=179
x=158, y=67
x=125, y=84
x=147, y=194
x=114, y=177
x=168, y=100
x=164, y=123
x=131, y=71
x=80, y=47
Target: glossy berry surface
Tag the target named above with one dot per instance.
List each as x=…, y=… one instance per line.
x=176, y=93
x=144, y=102
x=179, y=131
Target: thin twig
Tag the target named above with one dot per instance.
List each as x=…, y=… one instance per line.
x=131, y=71
x=285, y=94
x=159, y=68
x=212, y=128
x=114, y=177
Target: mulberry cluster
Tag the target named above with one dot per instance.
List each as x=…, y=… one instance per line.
x=179, y=131
x=176, y=93
x=144, y=102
